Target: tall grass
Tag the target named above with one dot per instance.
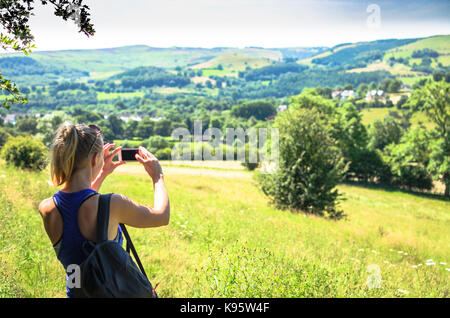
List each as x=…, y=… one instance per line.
x=223, y=240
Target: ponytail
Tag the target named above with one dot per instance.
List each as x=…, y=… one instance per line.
x=63, y=153
x=70, y=149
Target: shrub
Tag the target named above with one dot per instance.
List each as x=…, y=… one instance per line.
x=368, y=165
x=156, y=143
x=310, y=165
x=25, y=152
x=249, y=162
x=412, y=177
x=3, y=137
x=164, y=154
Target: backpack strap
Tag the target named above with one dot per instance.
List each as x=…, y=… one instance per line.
x=133, y=250
x=103, y=217
x=102, y=228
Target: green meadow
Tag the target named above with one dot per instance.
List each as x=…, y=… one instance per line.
x=225, y=240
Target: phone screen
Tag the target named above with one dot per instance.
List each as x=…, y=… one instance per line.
x=128, y=154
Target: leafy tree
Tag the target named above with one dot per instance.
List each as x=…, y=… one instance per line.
x=362, y=90
x=145, y=128
x=352, y=139
x=394, y=86
x=3, y=137
x=163, y=127
x=14, y=19
x=434, y=98
x=409, y=160
x=402, y=101
x=384, y=132
x=310, y=165
x=310, y=99
x=116, y=126
x=439, y=164
x=259, y=109
x=28, y=125
x=130, y=129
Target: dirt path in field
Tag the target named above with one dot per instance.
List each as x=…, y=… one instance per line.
x=195, y=170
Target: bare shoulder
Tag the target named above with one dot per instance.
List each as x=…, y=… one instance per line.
x=47, y=207
x=121, y=200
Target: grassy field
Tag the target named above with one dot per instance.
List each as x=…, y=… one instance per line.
x=439, y=43
x=231, y=62
x=102, y=96
x=369, y=115
x=224, y=240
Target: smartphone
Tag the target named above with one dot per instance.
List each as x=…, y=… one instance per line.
x=128, y=154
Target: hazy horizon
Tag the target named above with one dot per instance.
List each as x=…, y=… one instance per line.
x=217, y=47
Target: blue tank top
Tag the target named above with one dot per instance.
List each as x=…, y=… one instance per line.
x=72, y=247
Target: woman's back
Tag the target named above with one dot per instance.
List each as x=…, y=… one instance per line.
x=78, y=214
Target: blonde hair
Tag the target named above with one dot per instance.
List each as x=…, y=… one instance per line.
x=70, y=149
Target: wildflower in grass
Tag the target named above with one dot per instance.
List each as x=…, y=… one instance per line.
x=403, y=291
x=447, y=269
x=405, y=254
x=431, y=263
x=414, y=266
x=400, y=252
x=443, y=263
x=373, y=251
x=386, y=262
x=429, y=260
x=3, y=176
x=361, y=250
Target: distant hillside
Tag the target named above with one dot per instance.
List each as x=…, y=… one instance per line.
x=358, y=54
x=440, y=44
x=129, y=57
x=224, y=67
x=415, y=60
x=149, y=76
x=27, y=70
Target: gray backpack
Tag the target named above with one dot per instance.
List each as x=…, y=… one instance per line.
x=109, y=270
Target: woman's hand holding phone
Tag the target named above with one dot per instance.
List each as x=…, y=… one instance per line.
x=108, y=165
x=150, y=163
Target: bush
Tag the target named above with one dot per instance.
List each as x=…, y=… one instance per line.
x=25, y=153
x=412, y=177
x=164, y=154
x=3, y=137
x=156, y=143
x=310, y=165
x=368, y=165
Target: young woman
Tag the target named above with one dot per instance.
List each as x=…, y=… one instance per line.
x=80, y=162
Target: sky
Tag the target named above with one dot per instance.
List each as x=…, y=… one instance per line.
x=241, y=23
